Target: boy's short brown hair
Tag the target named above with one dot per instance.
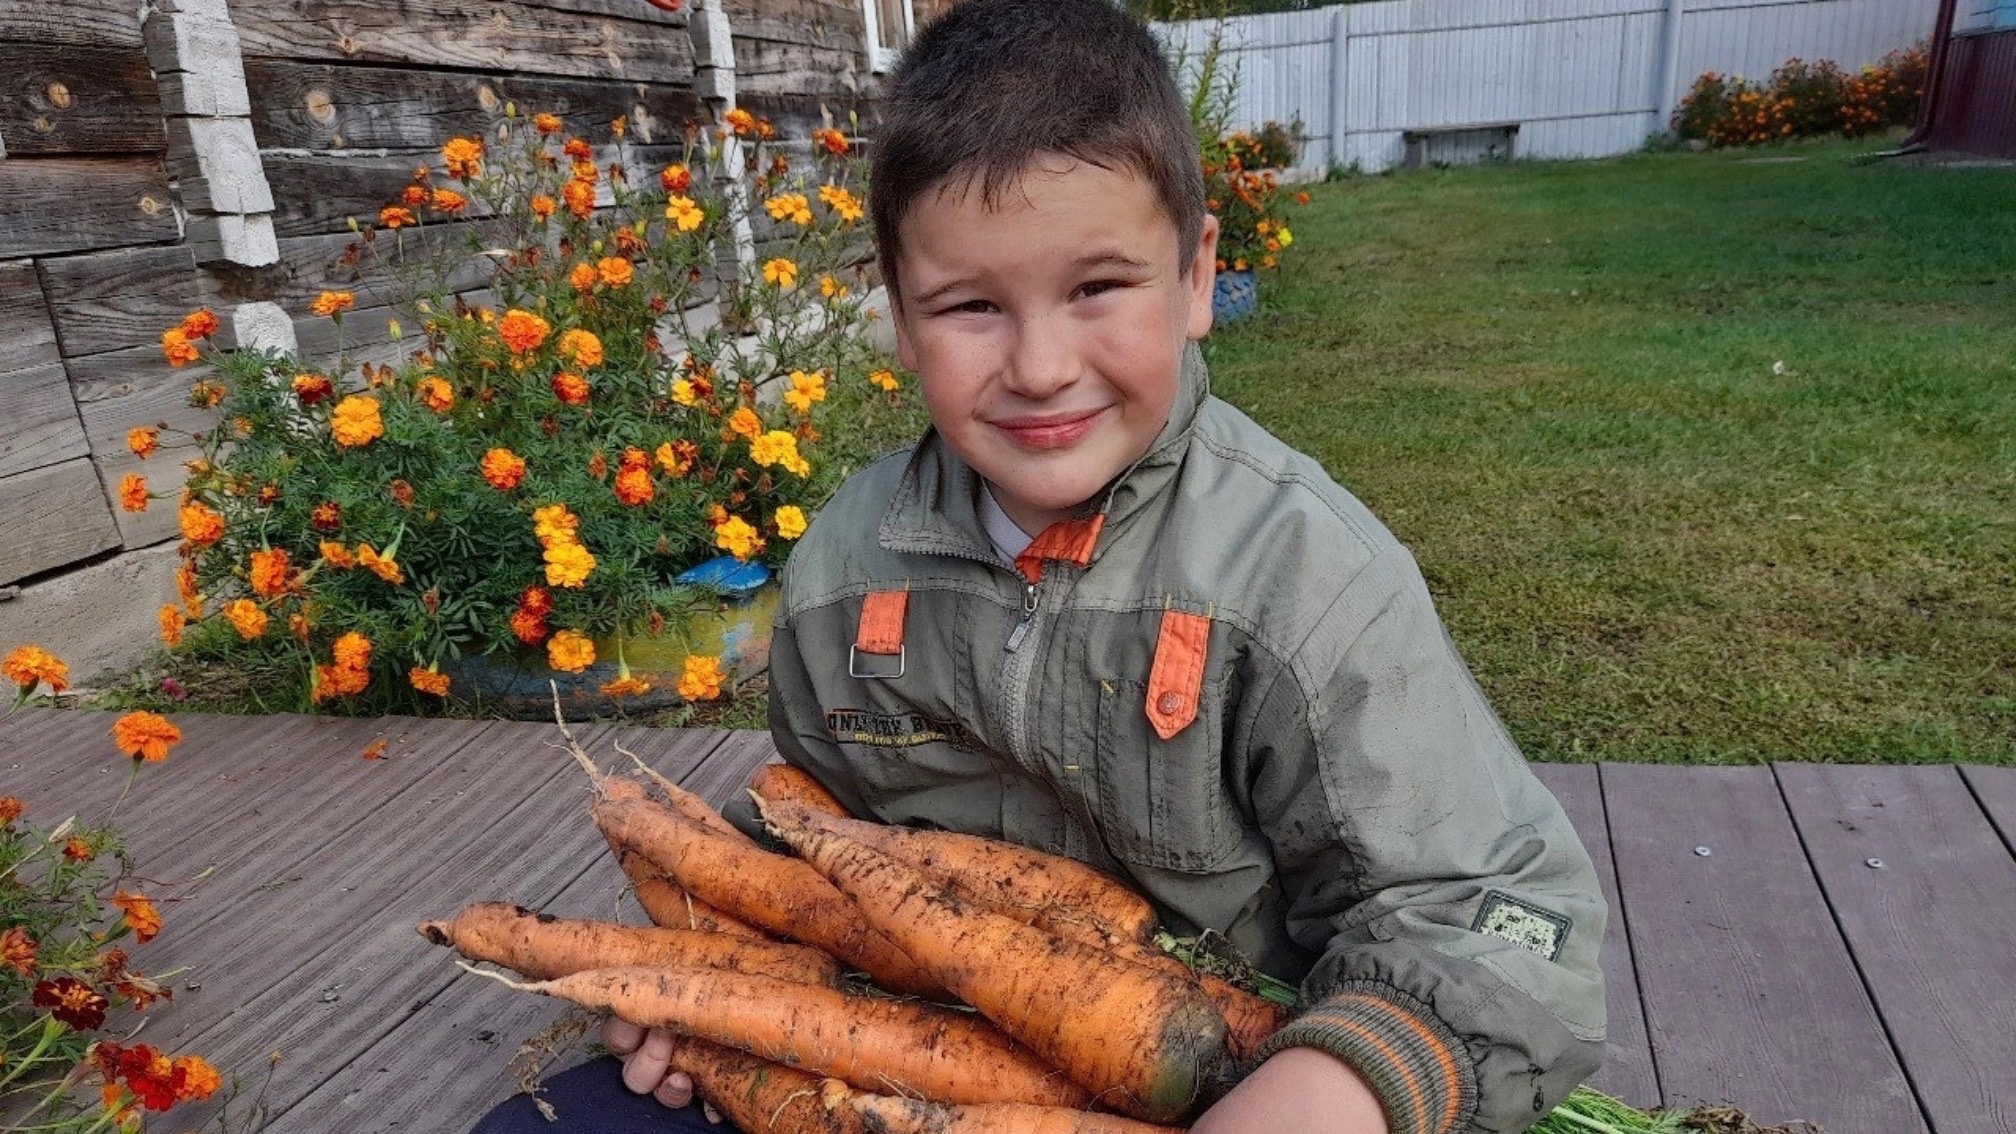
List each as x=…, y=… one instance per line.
x=992, y=83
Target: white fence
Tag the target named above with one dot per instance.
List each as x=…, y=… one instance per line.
x=1580, y=78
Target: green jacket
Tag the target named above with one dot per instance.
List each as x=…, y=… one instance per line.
x=1337, y=798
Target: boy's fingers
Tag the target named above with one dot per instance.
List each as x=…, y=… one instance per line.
x=675, y=1090
x=713, y=1116
x=645, y=1069
x=620, y=1036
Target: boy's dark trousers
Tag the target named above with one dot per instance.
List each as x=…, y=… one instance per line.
x=591, y=1099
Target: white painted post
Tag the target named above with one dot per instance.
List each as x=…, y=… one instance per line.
x=1340, y=55
x=1666, y=96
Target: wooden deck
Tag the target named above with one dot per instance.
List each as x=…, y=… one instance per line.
x=1829, y=943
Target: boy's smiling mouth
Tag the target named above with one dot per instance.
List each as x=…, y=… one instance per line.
x=1050, y=430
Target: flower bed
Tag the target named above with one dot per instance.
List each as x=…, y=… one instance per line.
x=1803, y=100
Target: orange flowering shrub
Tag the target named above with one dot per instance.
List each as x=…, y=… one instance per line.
x=1803, y=99
x=536, y=475
x=66, y=910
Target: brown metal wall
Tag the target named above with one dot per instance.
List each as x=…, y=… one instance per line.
x=1976, y=109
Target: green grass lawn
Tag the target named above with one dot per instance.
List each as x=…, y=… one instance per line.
x=1707, y=457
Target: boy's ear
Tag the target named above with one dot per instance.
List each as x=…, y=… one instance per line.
x=1203, y=278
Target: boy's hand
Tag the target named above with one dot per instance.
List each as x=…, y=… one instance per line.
x=646, y=1055
x=1284, y=1093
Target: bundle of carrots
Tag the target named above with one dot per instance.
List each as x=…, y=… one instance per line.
x=1093, y=1029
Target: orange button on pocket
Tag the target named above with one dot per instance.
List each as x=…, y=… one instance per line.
x=1178, y=673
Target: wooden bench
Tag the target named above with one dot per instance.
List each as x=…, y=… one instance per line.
x=1459, y=144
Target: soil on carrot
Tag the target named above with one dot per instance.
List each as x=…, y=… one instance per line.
x=1729, y=1120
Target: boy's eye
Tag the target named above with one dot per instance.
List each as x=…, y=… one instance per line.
x=1099, y=287
x=970, y=307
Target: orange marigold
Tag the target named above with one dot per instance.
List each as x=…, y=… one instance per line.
x=677, y=457
x=582, y=277
x=28, y=665
x=615, y=270
x=337, y=556
x=271, y=572
x=568, y=564
x=701, y=678
x=583, y=347
x=355, y=422
x=176, y=346
x=352, y=651
x=145, y=736
x=246, y=618
x=634, y=486
x=206, y=394
x=144, y=440
x=435, y=393
x=553, y=523
x=463, y=157
x=17, y=951
x=744, y=423
x=528, y=626
x=543, y=206
x=200, y=525
x=10, y=809
x=141, y=916
x=833, y=140
x=448, y=201
x=522, y=331
x=504, y=469
x=570, y=651
x=172, y=622
x=200, y=323
x=580, y=198
x=396, y=217
x=570, y=388
x=625, y=686
x=430, y=680
x=331, y=303
x=547, y=123
x=133, y=493
x=382, y=566
x=313, y=389
x=194, y=1078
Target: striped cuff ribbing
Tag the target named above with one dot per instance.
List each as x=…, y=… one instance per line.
x=1417, y=1067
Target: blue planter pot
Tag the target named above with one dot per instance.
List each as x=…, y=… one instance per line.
x=1234, y=295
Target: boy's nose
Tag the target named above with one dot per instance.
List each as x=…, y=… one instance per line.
x=1043, y=361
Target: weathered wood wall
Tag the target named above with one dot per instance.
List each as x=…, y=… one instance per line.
x=801, y=63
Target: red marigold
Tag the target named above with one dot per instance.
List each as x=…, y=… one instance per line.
x=528, y=627
x=536, y=599
x=676, y=179
x=313, y=388
x=78, y=850
x=577, y=148
x=326, y=516
x=71, y=1001
x=145, y=736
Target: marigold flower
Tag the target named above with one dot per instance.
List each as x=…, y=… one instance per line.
x=580, y=198
x=528, y=626
x=568, y=564
x=463, y=156
x=352, y=651
x=141, y=916
x=683, y=393
x=737, y=538
x=430, y=680
x=504, y=469
x=199, y=324
x=615, y=271
x=355, y=422
x=337, y=556
x=194, y=1078
x=200, y=525
x=271, y=572
x=782, y=272
x=676, y=179
x=396, y=217
x=144, y=440
x=547, y=123
x=833, y=140
x=448, y=201
x=845, y=204
x=582, y=277
x=77, y=850
x=570, y=651
x=832, y=288
x=206, y=394
x=382, y=566
x=744, y=423
x=10, y=809
x=570, y=388
x=885, y=379
x=175, y=345
x=313, y=389
x=145, y=736
x=741, y=121
x=625, y=687
x=684, y=214
x=25, y=666
x=790, y=521
x=634, y=486
x=246, y=618
x=553, y=523
x=331, y=303
x=133, y=493
x=17, y=951
x=676, y=457
x=776, y=447
x=522, y=331
x=172, y=623
x=435, y=393
x=790, y=206
x=701, y=678
x=543, y=206
x=805, y=390
x=71, y=1001
x=414, y=195
x=583, y=347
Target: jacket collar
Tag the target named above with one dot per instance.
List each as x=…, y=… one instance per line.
x=936, y=509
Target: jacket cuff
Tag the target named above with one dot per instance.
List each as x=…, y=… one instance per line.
x=1412, y=1061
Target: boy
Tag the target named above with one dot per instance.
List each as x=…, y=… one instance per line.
x=1098, y=612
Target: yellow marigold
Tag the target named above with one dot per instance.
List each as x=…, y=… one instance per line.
x=435, y=393
x=177, y=347
x=684, y=214
x=200, y=525
x=141, y=916
x=396, y=217
x=568, y=564
x=738, y=539
x=333, y=303
x=382, y=566
x=805, y=390
x=701, y=678
x=570, y=388
x=793, y=207
x=570, y=651
x=582, y=347
x=843, y=203
x=790, y=520
x=172, y=623
x=832, y=288
x=133, y=493
x=355, y=422
x=27, y=665
x=145, y=736
x=782, y=272
x=504, y=469
x=338, y=556
x=744, y=423
x=271, y=572
x=582, y=277
x=144, y=440
x=463, y=156
x=553, y=523
x=448, y=201
x=246, y=618
x=615, y=271
x=885, y=379
x=683, y=393
x=776, y=447
x=543, y=206
x=522, y=331
x=430, y=680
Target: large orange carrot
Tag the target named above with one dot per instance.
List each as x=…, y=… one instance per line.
x=695, y=808
x=669, y=906
x=1249, y=1019
x=770, y=891
x=871, y=1042
x=761, y=1097
x=542, y=946
x=1145, y=1042
x=888, y=1115
x=783, y=781
x=1009, y=876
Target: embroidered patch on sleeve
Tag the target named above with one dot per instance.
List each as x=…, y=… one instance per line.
x=1523, y=924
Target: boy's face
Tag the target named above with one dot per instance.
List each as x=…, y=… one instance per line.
x=1049, y=331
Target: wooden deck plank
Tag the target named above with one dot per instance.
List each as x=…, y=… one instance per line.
x=1627, y=1053
x=1922, y=888
x=1750, y=996
x=455, y=1049
x=1995, y=788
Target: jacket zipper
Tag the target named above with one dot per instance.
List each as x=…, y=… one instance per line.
x=1016, y=677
